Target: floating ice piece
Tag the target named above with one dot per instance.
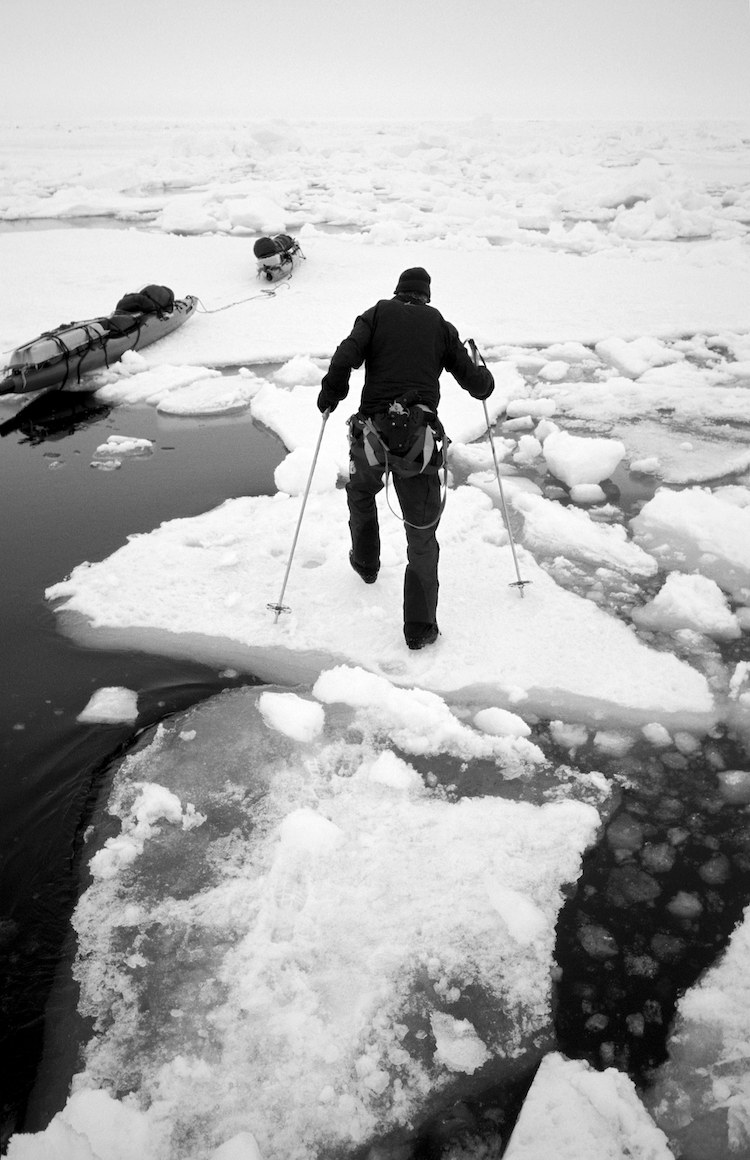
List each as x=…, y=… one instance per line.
x=575, y=1113
x=693, y=530
x=478, y=456
x=295, y=716
x=569, y=735
x=529, y=448
x=458, y=1047
x=545, y=428
x=501, y=722
x=576, y=460
x=735, y=785
x=571, y=352
x=655, y=449
x=554, y=371
x=392, y=771
x=587, y=493
x=618, y=353
x=689, y=601
x=685, y=905
x=110, y=706
x=612, y=742
x=211, y=396
x=551, y=529
x=486, y=481
x=539, y=408
x=633, y=359
x=657, y=735
x=152, y=803
x=124, y=445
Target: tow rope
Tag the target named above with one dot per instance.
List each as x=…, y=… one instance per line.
x=262, y=293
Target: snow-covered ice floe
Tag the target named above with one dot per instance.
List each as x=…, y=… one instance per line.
x=201, y=587
x=297, y=937
x=575, y=1113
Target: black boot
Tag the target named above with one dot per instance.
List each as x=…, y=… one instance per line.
x=417, y=634
x=369, y=575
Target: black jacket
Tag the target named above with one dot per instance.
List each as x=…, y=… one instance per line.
x=403, y=345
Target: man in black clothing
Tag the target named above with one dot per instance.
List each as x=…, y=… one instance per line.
x=404, y=344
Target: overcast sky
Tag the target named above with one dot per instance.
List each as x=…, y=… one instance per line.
x=409, y=59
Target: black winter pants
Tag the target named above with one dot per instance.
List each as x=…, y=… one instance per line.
x=419, y=497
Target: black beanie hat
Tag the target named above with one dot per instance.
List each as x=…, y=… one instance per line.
x=414, y=281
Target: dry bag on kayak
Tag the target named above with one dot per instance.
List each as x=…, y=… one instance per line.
x=150, y=300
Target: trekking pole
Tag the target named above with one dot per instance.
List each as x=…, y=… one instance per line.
x=279, y=607
x=519, y=583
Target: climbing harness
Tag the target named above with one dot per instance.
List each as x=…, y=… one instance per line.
x=519, y=583
x=280, y=607
x=407, y=439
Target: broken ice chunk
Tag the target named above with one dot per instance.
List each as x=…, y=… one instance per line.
x=457, y=1045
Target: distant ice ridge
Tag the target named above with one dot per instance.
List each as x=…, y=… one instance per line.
x=615, y=187
x=288, y=955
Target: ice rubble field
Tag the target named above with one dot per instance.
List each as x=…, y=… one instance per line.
x=374, y=941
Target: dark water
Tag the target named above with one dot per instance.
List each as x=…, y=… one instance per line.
x=56, y=512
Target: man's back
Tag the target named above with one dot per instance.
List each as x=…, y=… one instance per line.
x=408, y=348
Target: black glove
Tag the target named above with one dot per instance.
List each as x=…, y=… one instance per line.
x=325, y=403
x=484, y=390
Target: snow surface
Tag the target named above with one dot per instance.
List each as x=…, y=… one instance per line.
x=603, y=271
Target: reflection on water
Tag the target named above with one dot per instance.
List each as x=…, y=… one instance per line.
x=54, y=416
